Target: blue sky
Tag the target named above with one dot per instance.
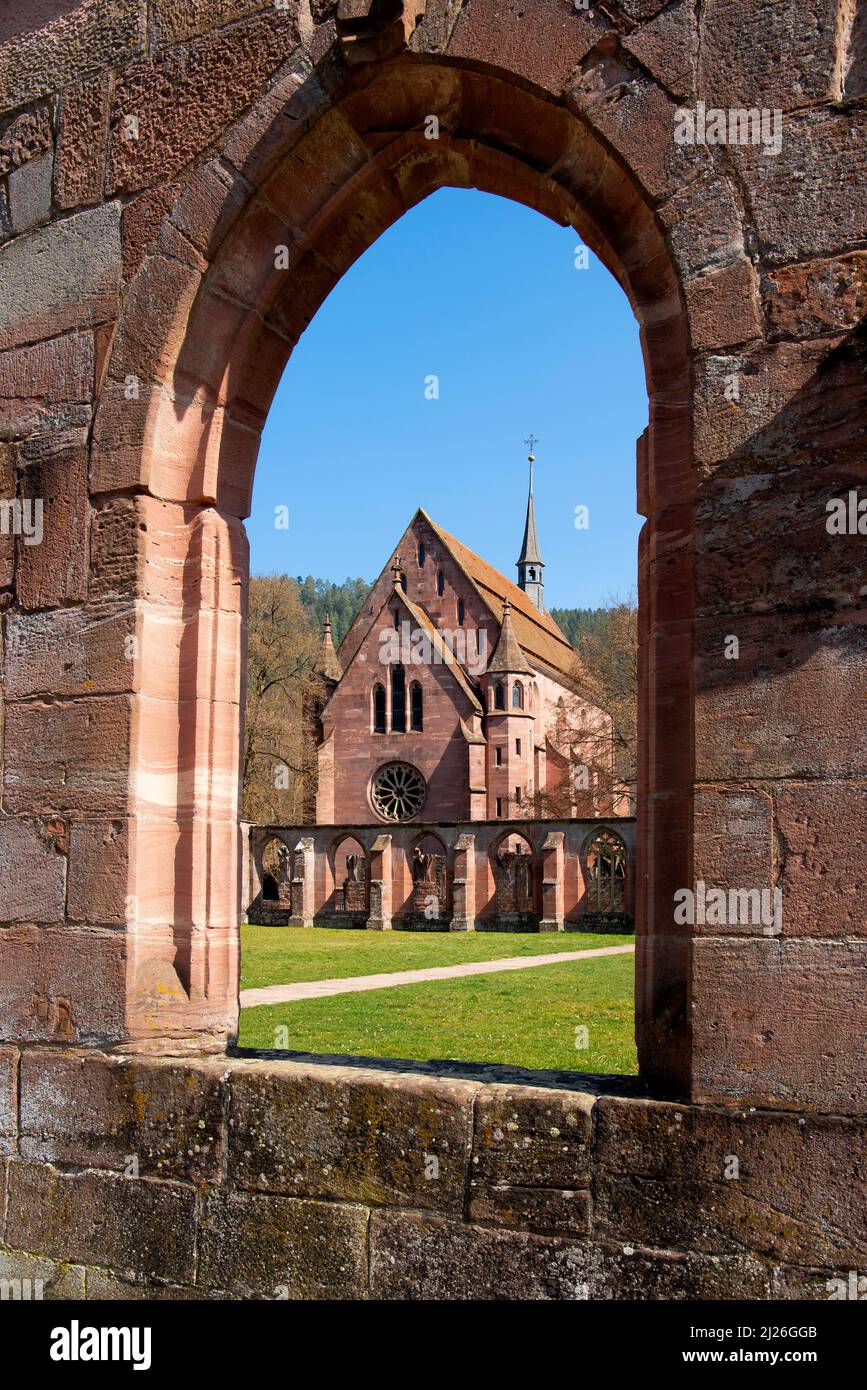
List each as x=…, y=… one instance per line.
x=484, y=294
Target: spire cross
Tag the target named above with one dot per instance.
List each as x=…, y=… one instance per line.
x=531, y=441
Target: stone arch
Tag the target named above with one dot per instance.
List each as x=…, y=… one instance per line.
x=210, y=321
x=428, y=862
x=514, y=864
x=349, y=865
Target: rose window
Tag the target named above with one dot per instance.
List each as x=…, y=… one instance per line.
x=398, y=792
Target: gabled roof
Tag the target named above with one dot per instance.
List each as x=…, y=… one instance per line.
x=535, y=629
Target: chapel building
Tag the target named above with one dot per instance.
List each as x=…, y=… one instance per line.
x=446, y=698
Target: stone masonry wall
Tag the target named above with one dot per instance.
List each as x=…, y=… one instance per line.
x=269, y=1179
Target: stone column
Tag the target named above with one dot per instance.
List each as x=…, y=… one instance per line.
x=464, y=885
x=552, y=882
x=303, y=866
x=379, y=918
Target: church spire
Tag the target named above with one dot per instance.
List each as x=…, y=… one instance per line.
x=530, y=562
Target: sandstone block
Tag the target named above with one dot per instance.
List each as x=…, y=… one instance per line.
x=263, y=1246
x=68, y=757
x=822, y=831
x=531, y=1158
x=723, y=306
x=62, y=276
x=545, y=53
x=98, y=872
x=667, y=45
x=41, y=1279
x=768, y=55
x=24, y=137
x=61, y=985
x=8, y=1099
x=141, y=1226
x=788, y=1036
x=818, y=297
x=82, y=143
x=93, y=1111
x=187, y=97
x=45, y=58
x=30, y=194
x=70, y=651
x=32, y=871
x=722, y=1181
x=334, y=1133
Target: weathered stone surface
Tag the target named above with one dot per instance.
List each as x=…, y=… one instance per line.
x=723, y=306
x=71, y=651
x=61, y=985
x=785, y=559
x=24, y=137
x=668, y=47
x=281, y=1247
x=103, y=1286
x=38, y=59
x=789, y=1036
x=34, y=872
x=53, y=569
x=725, y=1181
x=432, y=1258
x=734, y=838
x=131, y=1224
x=531, y=1158
x=545, y=52
x=87, y=738
x=779, y=709
x=142, y=217
x=823, y=878
x=809, y=199
x=82, y=143
x=98, y=873
x=778, y=405
x=50, y=372
x=703, y=224
x=185, y=99
x=8, y=1099
x=30, y=194
x=376, y=1139
x=768, y=55
x=63, y=276
x=30, y=1277
x=93, y=1111
x=177, y=20
x=818, y=297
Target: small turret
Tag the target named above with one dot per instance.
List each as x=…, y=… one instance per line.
x=328, y=662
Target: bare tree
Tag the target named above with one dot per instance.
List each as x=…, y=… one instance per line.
x=599, y=755
x=280, y=765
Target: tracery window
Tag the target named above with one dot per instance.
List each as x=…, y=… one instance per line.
x=605, y=857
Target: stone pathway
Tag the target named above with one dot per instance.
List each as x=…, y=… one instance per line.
x=320, y=989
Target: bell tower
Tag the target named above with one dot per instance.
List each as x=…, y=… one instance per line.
x=530, y=562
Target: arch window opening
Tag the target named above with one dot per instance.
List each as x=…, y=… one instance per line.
x=415, y=738
x=398, y=699
x=416, y=701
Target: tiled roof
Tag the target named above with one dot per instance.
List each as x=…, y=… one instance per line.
x=535, y=629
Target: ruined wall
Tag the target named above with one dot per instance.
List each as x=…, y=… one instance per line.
x=153, y=156
x=270, y=1179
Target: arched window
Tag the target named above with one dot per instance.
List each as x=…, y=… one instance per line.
x=605, y=856
x=379, y=709
x=441, y=583
x=532, y=574
x=422, y=555
x=398, y=700
x=460, y=612
x=416, y=707
x=499, y=696
x=517, y=695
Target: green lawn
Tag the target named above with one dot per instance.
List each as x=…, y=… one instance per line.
x=286, y=955
x=526, y=1018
